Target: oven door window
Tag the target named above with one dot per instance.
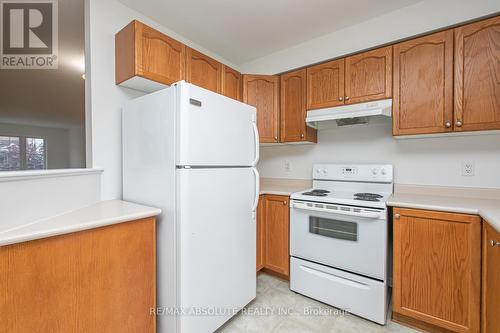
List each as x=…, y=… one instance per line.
x=333, y=228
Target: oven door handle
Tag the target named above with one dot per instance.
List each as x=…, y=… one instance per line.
x=370, y=215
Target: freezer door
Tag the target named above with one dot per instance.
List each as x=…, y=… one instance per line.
x=217, y=248
x=214, y=130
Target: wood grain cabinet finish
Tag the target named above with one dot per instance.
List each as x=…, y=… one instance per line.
x=423, y=85
x=477, y=76
x=276, y=235
x=437, y=270
x=490, y=317
x=325, y=85
x=231, y=83
x=368, y=76
x=262, y=91
x=145, y=52
x=99, y=280
x=261, y=250
x=293, y=108
x=203, y=71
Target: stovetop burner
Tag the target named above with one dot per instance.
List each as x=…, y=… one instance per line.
x=317, y=193
x=367, y=196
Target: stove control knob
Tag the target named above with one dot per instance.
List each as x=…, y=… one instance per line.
x=374, y=171
x=383, y=172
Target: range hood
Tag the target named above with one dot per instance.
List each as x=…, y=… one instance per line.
x=349, y=114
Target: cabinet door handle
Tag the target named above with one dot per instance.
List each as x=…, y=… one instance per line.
x=459, y=123
x=284, y=203
x=494, y=243
x=448, y=124
x=302, y=136
x=347, y=98
x=397, y=216
x=275, y=138
x=341, y=98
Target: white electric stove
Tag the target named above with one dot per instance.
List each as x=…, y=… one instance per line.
x=338, y=238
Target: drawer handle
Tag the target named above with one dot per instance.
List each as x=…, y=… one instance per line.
x=494, y=243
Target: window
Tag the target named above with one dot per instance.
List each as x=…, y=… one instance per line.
x=10, y=153
x=22, y=153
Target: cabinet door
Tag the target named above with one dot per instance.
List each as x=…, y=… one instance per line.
x=437, y=269
x=293, y=108
x=325, y=85
x=262, y=91
x=260, y=234
x=203, y=71
x=477, y=76
x=144, y=51
x=423, y=85
x=231, y=83
x=276, y=215
x=368, y=76
x=491, y=280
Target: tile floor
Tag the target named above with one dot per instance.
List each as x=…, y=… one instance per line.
x=277, y=309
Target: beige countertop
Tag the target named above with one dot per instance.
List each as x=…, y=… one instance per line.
x=482, y=202
x=94, y=216
x=283, y=186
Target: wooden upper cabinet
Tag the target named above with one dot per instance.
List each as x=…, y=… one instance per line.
x=325, y=85
x=490, y=317
x=141, y=51
x=477, y=76
x=368, y=76
x=276, y=215
x=262, y=91
x=423, y=85
x=293, y=108
x=203, y=71
x=231, y=83
x=437, y=270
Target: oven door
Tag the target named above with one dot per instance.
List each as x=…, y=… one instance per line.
x=343, y=237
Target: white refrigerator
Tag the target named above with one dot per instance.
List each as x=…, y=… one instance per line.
x=192, y=153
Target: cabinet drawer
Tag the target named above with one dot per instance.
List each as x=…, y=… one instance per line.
x=357, y=294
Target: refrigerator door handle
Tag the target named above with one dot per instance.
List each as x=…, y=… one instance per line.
x=256, y=135
x=257, y=189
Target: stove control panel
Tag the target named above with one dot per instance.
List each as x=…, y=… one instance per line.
x=349, y=171
x=380, y=173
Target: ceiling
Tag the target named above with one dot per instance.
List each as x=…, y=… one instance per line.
x=242, y=30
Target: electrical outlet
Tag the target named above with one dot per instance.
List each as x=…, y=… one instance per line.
x=467, y=169
x=287, y=166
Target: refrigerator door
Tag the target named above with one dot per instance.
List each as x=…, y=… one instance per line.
x=214, y=130
x=217, y=248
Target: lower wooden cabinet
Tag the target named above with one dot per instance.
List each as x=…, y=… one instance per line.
x=437, y=270
x=97, y=280
x=260, y=234
x=273, y=220
x=490, y=318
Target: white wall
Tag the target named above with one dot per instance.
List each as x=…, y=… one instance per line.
x=431, y=161
x=27, y=196
x=421, y=17
x=107, y=17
